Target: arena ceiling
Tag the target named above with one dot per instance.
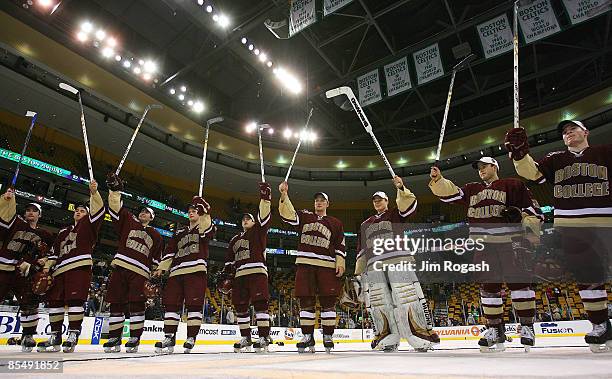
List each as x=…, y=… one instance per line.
x=191, y=49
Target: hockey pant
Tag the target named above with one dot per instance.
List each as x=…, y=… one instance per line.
x=399, y=309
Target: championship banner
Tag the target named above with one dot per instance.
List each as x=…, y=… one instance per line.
x=495, y=36
x=537, y=21
x=397, y=77
x=330, y=6
x=582, y=10
x=428, y=64
x=369, y=88
x=302, y=14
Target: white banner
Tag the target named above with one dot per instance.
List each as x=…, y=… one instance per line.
x=369, y=88
x=397, y=76
x=302, y=14
x=428, y=64
x=582, y=10
x=495, y=36
x=537, y=21
x=330, y=6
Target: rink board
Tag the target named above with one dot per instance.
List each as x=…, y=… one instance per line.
x=560, y=333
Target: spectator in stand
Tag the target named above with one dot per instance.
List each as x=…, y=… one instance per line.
x=471, y=320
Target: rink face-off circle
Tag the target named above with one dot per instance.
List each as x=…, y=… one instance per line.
x=354, y=359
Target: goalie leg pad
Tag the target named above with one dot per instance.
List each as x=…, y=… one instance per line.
x=380, y=304
x=412, y=311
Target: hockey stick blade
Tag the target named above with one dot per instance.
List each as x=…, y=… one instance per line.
x=69, y=88
x=30, y=114
x=351, y=96
x=214, y=120
x=463, y=64
x=338, y=91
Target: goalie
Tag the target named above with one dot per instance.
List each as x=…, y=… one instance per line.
x=394, y=299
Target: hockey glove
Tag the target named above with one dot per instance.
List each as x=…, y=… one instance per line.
x=265, y=192
x=516, y=143
x=114, y=182
x=201, y=205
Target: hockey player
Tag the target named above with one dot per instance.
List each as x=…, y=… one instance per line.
x=394, y=299
x=23, y=246
x=499, y=211
x=185, y=258
x=139, y=249
x=71, y=262
x=320, y=264
x=245, y=263
x=583, y=213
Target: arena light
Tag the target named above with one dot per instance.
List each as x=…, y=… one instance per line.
x=200, y=2
x=250, y=127
x=288, y=80
x=172, y=91
x=251, y=47
x=82, y=36
x=107, y=52
x=209, y=9
x=181, y=97
x=190, y=102
x=198, y=107
x=127, y=63
x=243, y=40
x=146, y=76
x=87, y=27
x=183, y=89
x=45, y=3
x=287, y=133
x=137, y=70
x=111, y=42
x=100, y=34
x=150, y=66
x=223, y=21
x=263, y=57
x=269, y=64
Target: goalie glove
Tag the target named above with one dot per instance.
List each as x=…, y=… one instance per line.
x=516, y=143
x=114, y=182
x=352, y=293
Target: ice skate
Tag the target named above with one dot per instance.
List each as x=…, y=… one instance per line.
x=167, y=345
x=71, y=342
x=53, y=344
x=244, y=345
x=261, y=346
x=600, y=338
x=188, y=345
x=113, y=345
x=307, y=342
x=27, y=343
x=493, y=339
x=527, y=337
x=131, y=346
x=328, y=343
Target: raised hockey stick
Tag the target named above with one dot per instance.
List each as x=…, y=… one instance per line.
x=34, y=115
x=209, y=122
x=458, y=66
x=71, y=89
x=261, y=160
x=298, y=146
x=347, y=91
x=129, y=146
x=515, y=43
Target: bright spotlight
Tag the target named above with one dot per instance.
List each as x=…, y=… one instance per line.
x=269, y=64
x=146, y=76
x=209, y=8
x=172, y=91
x=112, y=42
x=251, y=127
x=312, y=136
x=215, y=17
x=150, y=66
x=263, y=57
x=287, y=133
x=198, y=107
x=100, y=34
x=107, y=52
x=243, y=40
x=256, y=51
x=118, y=58
x=223, y=21
x=251, y=47
x=45, y=3
x=190, y=102
x=86, y=27
x=127, y=64
x=140, y=62
x=81, y=36
x=183, y=89
x=270, y=131
x=288, y=80
x=200, y=2
x=181, y=97
x=137, y=70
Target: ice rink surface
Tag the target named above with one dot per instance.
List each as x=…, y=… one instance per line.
x=353, y=360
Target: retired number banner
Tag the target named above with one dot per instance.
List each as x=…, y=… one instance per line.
x=398, y=77
x=330, y=6
x=428, y=64
x=369, y=88
x=582, y=10
x=495, y=36
x=537, y=21
x=302, y=14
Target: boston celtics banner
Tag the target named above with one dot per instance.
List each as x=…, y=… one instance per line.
x=582, y=10
x=302, y=14
x=398, y=77
x=428, y=64
x=369, y=88
x=330, y=6
x=495, y=36
x=537, y=21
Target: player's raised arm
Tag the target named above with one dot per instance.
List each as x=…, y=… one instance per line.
x=443, y=188
x=285, y=208
x=406, y=201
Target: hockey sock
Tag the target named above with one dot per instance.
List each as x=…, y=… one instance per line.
x=76, y=312
x=194, y=320
x=56, y=315
x=115, y=321
x=263, y=318
x=492, y=303
x=595, y=300
x=307, y=314
x=171, y=319
x=29, y=321
x=243, y=319
x=328, y=314
x=137, y=318
x=523, y=302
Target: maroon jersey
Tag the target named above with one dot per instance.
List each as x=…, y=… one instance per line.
x=73, y=245
x=16, y=237
x=321, y=239
x=246, y=253
x=485, y=203
x=384, y=225
x=187, y=251
x=139, y=246
x=581, y=185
